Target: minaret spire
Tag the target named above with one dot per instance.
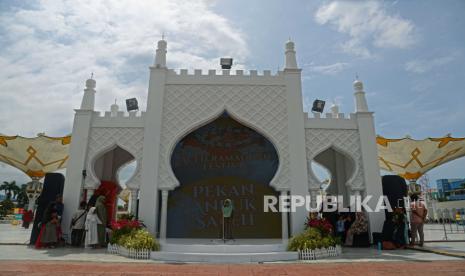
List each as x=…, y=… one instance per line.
x=160, y=56
x=291, y=61
x=360, y=99
x=88, y=100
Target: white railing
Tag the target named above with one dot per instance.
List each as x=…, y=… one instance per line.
x=319, y=253
x=140, y=254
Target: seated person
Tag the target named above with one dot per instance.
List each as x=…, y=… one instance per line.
x=360, y=225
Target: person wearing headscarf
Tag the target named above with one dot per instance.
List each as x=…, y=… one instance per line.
x=101, y=212
x=28, y=216
x=228, y=212
x=91, y=226
x=49, y=231
x=360, y=225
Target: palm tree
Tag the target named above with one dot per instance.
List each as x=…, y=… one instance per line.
x=22, y=197
x=9, y=188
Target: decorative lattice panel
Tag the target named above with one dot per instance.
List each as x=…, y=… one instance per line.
x=187, y=107
x=346, y=141
x=104, y=139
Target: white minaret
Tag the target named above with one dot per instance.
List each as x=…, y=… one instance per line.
x=160, y=56
x=88, y=100
x=360, y=100
x=74, y=180
x=371, y=172
x=335, y=110
x=291, y=62
x=114, y=109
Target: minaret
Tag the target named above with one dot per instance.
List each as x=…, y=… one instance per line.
x=88, y=101
x=369, y=155
x=114, y=109
x=291, y=62
x=360, y=100
x=77, y=162
x=335, y=110
x=160, y=56
x=296, y=135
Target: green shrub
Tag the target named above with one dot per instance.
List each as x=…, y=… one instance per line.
x=139, y=239
x=6, y=207
x=311, y=238
x=126, y=216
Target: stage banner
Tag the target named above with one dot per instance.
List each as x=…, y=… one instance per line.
x=223, y=159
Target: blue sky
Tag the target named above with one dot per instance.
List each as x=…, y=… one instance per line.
x=409, y=54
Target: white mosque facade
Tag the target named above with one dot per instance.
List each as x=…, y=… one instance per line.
x=264, y=108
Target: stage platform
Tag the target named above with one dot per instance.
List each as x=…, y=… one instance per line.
x=216, y=251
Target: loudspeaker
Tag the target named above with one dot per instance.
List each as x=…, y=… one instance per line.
x=395, y=188
x=53, y=186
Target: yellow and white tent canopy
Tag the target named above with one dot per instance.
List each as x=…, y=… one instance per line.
x=35, y=156
x=411, y=158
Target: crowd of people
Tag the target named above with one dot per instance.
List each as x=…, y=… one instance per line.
x=396, y=232
x=88, y=224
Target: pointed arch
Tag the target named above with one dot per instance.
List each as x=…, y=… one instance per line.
x=205, y=121
x=92, y=180
x=336, y=148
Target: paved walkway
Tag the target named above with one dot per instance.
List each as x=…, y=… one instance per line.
x=14, y=234
x=435, y=232
x=388, y=268
x=455, y=249
x=22, y=252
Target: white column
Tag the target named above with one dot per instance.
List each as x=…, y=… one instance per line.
x=76, y=163
x=297, y=154
x=284, y=223
x=148, y=196
x=133, y=201
x=371, y=170
x=164, y=214
x=90, y=193
x=32, y=202
x=314, y=192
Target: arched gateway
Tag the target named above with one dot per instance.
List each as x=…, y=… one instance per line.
x=223, y=159
x=206, y=137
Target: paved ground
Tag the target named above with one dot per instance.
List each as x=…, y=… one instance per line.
x=21, y=252
x=11, y=234
x=456, y=249
x=24, y=260
x=435, y=232
x=388, y=268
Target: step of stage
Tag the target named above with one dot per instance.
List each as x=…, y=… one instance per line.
x=224, y=257
x=218, y=251
x=220, y=247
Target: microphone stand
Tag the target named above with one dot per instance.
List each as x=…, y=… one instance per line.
x=224, y=240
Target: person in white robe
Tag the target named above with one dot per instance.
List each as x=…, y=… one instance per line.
x=92, y=221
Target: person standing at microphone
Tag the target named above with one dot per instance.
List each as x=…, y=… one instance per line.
x=228, y=212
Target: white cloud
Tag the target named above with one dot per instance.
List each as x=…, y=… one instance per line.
x=368, y=24
x=330, y=69
x=49, y=50
x=420, y=66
